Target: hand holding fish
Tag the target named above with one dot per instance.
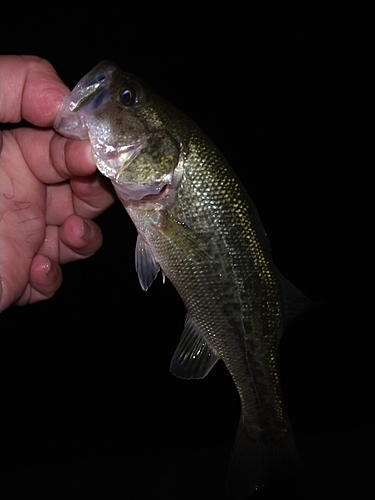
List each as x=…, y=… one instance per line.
x=49, y=187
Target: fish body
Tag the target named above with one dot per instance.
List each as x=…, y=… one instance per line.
x=197, y=224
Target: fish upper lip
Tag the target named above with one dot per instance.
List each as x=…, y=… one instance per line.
x=84, y=94
x=86, y=89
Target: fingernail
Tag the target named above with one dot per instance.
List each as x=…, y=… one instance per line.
x=94, y=180
x=47, y=266
x=86, y=232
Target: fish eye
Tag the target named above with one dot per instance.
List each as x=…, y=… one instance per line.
x=128, y=96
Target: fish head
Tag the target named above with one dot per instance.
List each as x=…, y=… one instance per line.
x=119, y=114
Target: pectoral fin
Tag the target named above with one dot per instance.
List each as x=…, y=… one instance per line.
x=145, y=264
x=194, y=357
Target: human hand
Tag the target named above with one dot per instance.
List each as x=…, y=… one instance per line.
x=49, y=186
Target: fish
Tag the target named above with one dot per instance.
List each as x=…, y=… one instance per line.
x=198, y=226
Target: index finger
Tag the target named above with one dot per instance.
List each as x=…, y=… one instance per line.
x=29, y=88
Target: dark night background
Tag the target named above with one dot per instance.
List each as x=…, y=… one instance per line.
x=88, y=404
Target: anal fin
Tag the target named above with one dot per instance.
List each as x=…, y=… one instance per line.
x=194, y=357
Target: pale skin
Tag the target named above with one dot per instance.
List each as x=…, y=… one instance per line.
x=50, y=189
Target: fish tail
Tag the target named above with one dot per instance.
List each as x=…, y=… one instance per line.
x=258, y=462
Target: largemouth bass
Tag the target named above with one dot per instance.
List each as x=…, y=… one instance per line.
x=197, y=225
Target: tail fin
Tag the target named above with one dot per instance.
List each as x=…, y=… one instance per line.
x=255, y=463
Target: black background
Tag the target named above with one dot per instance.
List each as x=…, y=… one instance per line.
x=88, y=403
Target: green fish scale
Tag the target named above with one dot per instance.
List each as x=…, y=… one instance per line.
x=227, y=280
